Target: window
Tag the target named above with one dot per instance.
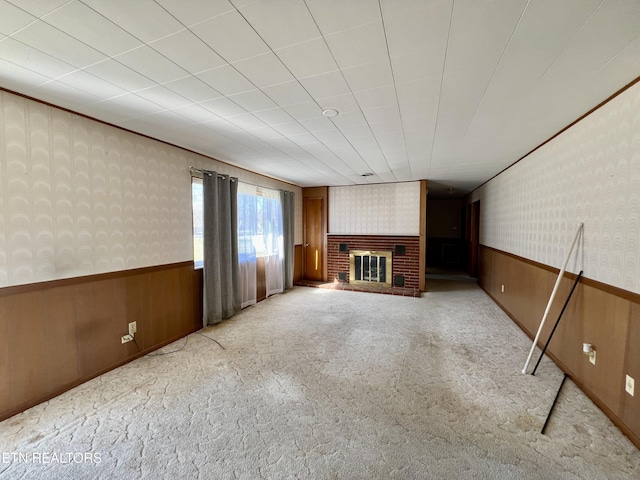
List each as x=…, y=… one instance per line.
x=259, y=221
x=198, y=226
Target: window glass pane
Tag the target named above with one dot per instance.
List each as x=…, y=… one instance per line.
x=198, y=226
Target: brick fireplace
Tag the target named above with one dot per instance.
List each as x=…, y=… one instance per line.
x=405, y=251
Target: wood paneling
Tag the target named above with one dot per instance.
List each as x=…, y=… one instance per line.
x=596, y=314
x=60, y=331
x=5, y=371
x=27, y=346
x=297, y=264
x=56, y=335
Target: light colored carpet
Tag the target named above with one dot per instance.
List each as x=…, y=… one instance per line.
x=322, y=384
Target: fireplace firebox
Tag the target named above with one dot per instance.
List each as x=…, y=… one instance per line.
x=370, y=267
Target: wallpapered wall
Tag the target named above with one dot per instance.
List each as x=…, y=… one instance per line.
x=78, y=197
x=591, y=174
x=382, y=209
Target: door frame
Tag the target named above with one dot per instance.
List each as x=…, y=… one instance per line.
x=315, y=193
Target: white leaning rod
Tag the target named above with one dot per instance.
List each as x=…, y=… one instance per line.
x=551, y=298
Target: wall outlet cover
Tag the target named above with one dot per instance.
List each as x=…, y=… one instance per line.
x=629, y=385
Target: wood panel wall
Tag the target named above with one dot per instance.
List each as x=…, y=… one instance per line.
x=56, y=335
x=605, y=316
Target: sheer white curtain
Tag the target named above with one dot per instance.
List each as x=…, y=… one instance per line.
x=273, y=235
x=247, y=234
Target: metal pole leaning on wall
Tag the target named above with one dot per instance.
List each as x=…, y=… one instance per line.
x=575, y=284
x=552, y=297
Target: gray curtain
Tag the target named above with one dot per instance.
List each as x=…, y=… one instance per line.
x=222, y=290
x=287, y=200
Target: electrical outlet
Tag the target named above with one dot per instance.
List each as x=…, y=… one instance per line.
x=127, y=338
x=502, y=288
x=133, y=328
x=629, y=385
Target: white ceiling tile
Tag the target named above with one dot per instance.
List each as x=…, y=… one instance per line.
x=83, y=80
x=264, y=70
x=349, y=119
x=164, y=118
x=188, y=51
x=325, y=85
x=116, y=73
x=223, y=107
x=332, y=138
x=91, y=28
x=388, y=176
x=246, y=121
x=308, y=58
x=292, y=128
x=34, y=60
x=103, y=111
x=303, y=139
x=343, y=103
x=18, y=78
x=317, y=124
x=231, y=37
x=144, y=19
x=281, y=23
x=427, y=64
x=39, y=8
x=56, y=92
x=151, y=64
x=337, y=15
x=388, y=113
x=164, y=97
x=363, y=44
x=369, y=75
x=288, y=93
x=274, y=116
x=220, y=125
x=386, y=128
x=424, y=89
x=194, y=89
x=53, y=42
x=376, y=97
x=195, y=113
x=303, y=111
x=266, y=133
x=196, y=11
x=132, y=105
x=420, y=116
x=253, y=100
x=227, y=80
x=13, y=18
x=412, y=27
x=358, y=131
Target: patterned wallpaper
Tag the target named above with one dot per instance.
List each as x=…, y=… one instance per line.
x=78, y=197
x=382, y=209
x=591, y=174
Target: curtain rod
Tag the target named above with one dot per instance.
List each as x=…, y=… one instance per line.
x=208, y=172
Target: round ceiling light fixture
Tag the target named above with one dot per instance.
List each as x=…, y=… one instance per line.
x=330, y=112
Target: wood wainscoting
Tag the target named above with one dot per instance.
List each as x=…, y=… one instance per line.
x=605, y=316
x=56, y=335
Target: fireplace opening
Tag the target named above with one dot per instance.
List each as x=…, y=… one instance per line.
x=370, y=267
